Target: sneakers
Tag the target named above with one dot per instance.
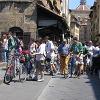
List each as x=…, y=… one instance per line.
x=41, y=80
x=51, y=73
x=70, y=76
x=34, y=79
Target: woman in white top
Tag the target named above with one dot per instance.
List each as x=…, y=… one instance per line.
x=40, y=59
x=4, y=48
x=33, y=46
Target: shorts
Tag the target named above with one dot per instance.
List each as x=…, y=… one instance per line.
x=80, y=60
x=52, y=61
x=40, y=65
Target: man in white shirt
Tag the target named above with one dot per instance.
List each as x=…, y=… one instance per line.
x=50, y=54
x=40, y=58
x=90, y=49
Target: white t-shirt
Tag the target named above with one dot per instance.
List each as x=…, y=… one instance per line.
x=33, y=47
x=50, y=49
x=90, y=49
x=5, y=44
x=96, y=51
x=41, y=52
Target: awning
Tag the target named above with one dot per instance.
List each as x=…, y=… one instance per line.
x=98, y=35
x=52, y=14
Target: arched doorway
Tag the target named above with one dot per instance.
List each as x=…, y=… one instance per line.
x=24, y=36
x=19, y=32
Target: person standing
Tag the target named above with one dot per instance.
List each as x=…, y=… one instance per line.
x=63, y=51
x=4, y=48
x=13, y=47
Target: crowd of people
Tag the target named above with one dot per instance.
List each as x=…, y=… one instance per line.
x=71, y=60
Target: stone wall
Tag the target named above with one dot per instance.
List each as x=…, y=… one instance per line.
x=83, y=18
x=18, y=13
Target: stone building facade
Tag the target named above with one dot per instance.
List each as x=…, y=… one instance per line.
x=51, y=20
x=82, y=15
x=19, y=14
x=95, y=21
x=32, y=18
x=74, y=26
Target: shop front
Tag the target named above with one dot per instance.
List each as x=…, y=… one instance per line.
x=50, y=24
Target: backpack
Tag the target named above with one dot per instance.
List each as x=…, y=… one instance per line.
x=14, y=45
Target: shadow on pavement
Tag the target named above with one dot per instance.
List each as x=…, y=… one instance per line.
x=95, y=83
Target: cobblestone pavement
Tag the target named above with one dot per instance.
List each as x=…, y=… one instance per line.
x=2, y=72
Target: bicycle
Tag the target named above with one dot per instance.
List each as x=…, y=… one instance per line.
x=13, y=70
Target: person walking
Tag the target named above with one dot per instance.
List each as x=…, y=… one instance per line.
x=63, y=51
x=91, y=50
x=77, y=51
x=40, y=60
x=50, y=55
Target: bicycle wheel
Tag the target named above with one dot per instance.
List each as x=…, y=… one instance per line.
x=8, y=75
x=7, y=78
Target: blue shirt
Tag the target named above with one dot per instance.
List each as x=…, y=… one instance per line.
x=63, y=49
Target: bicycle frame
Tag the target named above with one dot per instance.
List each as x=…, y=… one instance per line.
x=13, y=70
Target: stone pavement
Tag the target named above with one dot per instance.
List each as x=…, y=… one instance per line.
x=21, y=90
x=2, y=71
x=56, y=88
x=28, y=90
x=85, y=88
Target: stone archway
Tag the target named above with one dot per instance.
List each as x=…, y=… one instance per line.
x=19, y=31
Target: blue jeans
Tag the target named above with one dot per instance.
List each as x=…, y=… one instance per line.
x=4, y=55
x=72, y=65
x=28, y=67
